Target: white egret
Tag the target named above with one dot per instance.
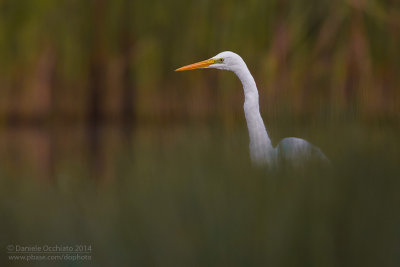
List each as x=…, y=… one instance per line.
x=292, y=151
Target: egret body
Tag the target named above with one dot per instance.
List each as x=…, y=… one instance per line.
x=293, y=151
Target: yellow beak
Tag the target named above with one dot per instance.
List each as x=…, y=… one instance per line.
x=198, y=65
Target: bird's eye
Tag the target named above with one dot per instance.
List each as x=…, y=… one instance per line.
x=220, y=60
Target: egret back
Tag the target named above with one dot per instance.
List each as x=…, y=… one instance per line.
x=298, y=152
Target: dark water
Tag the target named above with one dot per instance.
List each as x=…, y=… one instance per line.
x=189, y=196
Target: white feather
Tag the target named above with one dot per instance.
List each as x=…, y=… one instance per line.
x=293, y=151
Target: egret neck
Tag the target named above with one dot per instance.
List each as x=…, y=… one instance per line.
x=292, y=150
x=261, y=149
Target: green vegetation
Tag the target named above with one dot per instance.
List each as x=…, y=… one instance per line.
x=188, y=196
x=102, y=143
x=109, y=59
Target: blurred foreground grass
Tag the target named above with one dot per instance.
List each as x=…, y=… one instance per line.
x=188, y=196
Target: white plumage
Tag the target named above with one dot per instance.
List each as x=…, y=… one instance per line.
x=290, y=151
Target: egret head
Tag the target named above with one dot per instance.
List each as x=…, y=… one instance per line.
x=224, y=61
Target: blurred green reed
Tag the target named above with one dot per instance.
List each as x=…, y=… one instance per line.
x=188, y=196
x=174, y=186
x=114, y=60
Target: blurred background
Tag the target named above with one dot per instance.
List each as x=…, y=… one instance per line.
x=95, y=123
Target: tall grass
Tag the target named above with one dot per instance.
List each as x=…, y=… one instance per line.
x=73, y=60
x=190, y=196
